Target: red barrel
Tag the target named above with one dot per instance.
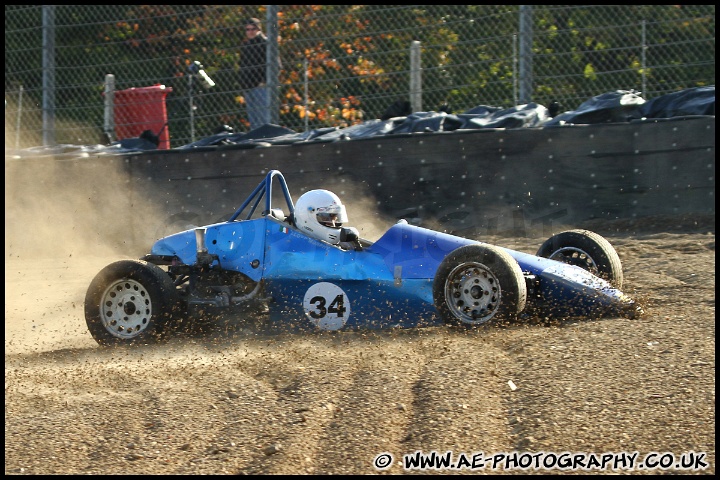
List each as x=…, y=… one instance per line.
x=140, y=109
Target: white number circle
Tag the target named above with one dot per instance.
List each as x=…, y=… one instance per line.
x=327, y=306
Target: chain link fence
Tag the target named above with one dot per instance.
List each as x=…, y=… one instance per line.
x=340, y=64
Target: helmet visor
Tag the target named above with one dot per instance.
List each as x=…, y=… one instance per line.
x=333, y=216
x=329, y=219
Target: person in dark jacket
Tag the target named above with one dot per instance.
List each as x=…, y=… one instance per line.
x=253, y=81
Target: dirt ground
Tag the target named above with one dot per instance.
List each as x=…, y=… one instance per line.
x=239, y=401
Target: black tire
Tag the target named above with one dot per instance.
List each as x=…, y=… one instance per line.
x=130, y=302
x=478, y=283
x=587, y=250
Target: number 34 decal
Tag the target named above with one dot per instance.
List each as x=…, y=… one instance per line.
x=327, y=306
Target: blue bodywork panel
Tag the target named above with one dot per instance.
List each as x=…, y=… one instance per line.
x=387, y=283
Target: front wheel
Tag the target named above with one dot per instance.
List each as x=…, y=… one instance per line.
x=130, y=301
x=587, y=250
x=478, y=283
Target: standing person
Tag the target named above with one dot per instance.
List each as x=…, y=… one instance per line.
x=253, y=61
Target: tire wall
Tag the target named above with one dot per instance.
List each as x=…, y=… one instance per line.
x=465, y=182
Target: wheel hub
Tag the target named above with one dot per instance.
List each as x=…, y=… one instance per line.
x=129, y=308
x=126, y=308
x=473, y=293
x=476, y=292
x=575, y=256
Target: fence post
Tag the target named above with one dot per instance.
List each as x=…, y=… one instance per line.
x=415, y=77
x=644, y=59
x=273, y=65
x=109, y=125
x=48, y=69
x=191, y=106
x=526, y=59
x=515, y=69
x=305, y=91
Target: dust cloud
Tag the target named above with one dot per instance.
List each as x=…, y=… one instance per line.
x=73, y=207
x=362, y=208
x=66, y=217
x=68, y=214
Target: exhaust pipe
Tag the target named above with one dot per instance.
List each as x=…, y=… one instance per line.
x=200, y=240
x=203, y=258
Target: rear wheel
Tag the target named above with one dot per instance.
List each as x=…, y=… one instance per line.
x=478, y=283
x=130, y=301
x=587, y=250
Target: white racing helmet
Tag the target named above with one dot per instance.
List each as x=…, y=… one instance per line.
x=320, y=214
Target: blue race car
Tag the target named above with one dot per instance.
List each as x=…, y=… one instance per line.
x=297, y=264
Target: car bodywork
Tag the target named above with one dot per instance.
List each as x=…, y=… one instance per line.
x=258, y=256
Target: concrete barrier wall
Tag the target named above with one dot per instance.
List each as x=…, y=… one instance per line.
x=475, y=181
x=465, y=182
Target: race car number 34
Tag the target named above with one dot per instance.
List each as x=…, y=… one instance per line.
x=327, y=306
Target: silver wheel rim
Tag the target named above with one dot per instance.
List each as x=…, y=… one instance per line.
x=472, y=293
x=575, y=256
x=125, y=308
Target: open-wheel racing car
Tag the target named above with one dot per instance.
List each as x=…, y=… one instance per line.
x=263, y=259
